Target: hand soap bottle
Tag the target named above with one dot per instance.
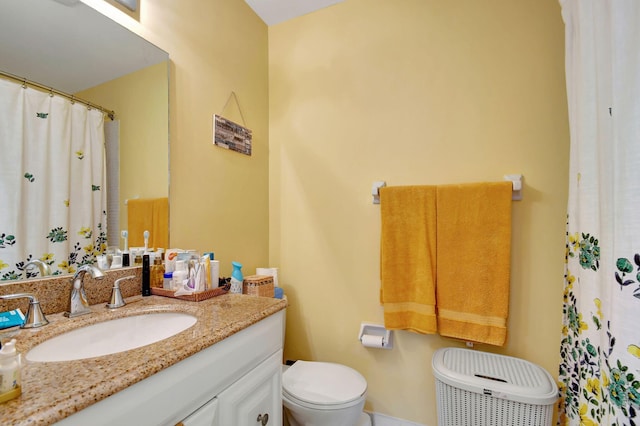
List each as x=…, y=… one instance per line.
x=236, y=278
x=9, y=372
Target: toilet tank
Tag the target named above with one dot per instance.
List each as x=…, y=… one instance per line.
x=475, y=388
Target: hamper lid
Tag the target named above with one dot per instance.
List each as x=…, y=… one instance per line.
x=496, y=375
x=323, y=383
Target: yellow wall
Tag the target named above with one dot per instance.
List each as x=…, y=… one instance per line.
x=218, y=198
x=412, y=92
x=141, y=103
x=408, y=91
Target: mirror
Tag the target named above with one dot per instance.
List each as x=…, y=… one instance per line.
x=70, y=47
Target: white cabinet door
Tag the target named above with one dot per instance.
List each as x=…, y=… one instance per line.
x=255, y=399
x=203, y=416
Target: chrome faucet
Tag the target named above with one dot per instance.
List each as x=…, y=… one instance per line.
x=116, y=296
x=34, y=317
x=44, y=268
x=78, y=304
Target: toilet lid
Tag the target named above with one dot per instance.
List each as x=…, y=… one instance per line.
x=323, y=383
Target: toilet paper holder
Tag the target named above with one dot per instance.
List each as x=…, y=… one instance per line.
x=377, y=331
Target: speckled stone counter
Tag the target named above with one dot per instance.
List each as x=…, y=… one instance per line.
x=54, y=390
x=53, y=292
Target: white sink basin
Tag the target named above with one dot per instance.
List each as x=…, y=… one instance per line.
x=109, y=337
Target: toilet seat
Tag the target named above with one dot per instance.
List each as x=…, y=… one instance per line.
x=323, y=385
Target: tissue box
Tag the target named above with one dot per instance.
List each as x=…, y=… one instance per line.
x=258, y=285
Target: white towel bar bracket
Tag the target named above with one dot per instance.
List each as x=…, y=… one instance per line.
x=135, y=197
x=375, y=191
x=515, y=179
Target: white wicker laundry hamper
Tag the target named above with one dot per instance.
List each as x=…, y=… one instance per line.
x=482, y=389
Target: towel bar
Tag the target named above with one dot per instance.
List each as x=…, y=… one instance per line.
x=515, y=179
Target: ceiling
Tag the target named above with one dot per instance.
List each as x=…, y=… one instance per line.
x=68, y=45
x=275, y=11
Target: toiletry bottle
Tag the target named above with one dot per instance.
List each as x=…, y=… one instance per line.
x=215, y=273
x=236, y=278
x=157, y=272
x=9, y=372
x=125, y=259
x=137, y=257
x=168, y=279
x=214, y=270
x=146, y=276
x=178, y=278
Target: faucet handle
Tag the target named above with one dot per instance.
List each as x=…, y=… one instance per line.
x=116, y=296
x=34, y=317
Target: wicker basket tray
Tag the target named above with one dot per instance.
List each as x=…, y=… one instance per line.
x=258, y=285
x=195, y=297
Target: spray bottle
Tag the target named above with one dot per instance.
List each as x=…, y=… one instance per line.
x=236, y=278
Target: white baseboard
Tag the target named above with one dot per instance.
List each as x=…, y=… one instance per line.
x=378, y=419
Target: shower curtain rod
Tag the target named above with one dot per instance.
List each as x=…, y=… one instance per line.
x=51, y=90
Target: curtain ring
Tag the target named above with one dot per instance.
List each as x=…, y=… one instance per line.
x=51, y=92
x=73, y=100
x=24, y=83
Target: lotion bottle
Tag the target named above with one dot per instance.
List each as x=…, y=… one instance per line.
x=9, y=372
x=236, y=278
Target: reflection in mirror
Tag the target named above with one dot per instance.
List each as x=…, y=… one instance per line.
x=77, y=50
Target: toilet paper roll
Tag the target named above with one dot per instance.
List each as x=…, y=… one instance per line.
x=369, y=341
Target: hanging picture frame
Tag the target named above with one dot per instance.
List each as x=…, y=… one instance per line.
x=230, y=135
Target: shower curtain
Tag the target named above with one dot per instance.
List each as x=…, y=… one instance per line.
x=52, y=179
x=600, y=348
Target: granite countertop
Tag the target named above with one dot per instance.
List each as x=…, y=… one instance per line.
x=52, y=391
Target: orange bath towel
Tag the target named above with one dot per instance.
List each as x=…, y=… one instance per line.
x=473, y=261
x=148, y=214
x=407, y=257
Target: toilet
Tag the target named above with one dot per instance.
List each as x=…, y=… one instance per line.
x=323, y=394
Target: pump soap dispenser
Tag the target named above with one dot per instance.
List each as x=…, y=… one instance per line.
x=9, y=372
x=236, y=278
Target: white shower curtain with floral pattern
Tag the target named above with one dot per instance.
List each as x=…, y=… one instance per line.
x=600, y=349
x=52, y=176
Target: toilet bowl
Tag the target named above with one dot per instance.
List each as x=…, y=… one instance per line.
x=323, y=394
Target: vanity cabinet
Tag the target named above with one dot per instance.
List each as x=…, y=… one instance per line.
x=255, y=399
x=236, y=381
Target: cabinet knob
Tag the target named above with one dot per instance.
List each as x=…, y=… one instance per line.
x=263, y=419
